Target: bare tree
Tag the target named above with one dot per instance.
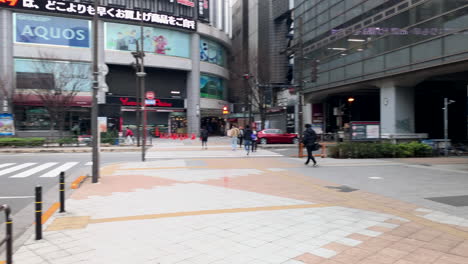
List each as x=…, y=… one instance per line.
x=55, y=83
x=257, y=99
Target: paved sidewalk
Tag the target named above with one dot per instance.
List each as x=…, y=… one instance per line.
x=241, y=210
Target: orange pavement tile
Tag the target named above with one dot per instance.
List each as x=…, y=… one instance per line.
x=358, y=253
x=359, y=237
x=337, y=247
x=120, y=183
x=402, y=261
x=379, y=258
x=422, y=255
x=380, y=229
x=390, y=237
x=375, y=244
x=346, y=258
x=461, y=249
x=398, y=254
x=453, y=259
x=426, y=235
x=310, y=259
x=394, y=221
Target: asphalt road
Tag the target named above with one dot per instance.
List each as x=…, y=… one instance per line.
x=21, y=173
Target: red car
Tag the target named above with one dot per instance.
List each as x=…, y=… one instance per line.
x=272, y=135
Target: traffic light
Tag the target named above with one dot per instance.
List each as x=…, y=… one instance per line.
x=225, y=110
x=314, y=71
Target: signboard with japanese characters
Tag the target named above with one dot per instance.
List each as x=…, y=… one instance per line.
x=83, y=9
x=365, y=130
x=189, y=3
x=52, y=30
x=155, y=40
x=204, y=10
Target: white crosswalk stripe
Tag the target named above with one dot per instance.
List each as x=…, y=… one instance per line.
x=6, y=165
x=34, y=170
x=55, y=172
x=16, y=168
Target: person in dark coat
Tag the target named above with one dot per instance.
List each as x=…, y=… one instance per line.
x=309, y=140
x=247, y=138
x=204, y=137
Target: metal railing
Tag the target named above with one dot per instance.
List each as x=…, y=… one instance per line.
x=8, y=240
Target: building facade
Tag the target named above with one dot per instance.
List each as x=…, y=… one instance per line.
x=46, y=57
x=397, y=59
x=261, y=67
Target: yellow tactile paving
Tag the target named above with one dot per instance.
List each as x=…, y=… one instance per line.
x=206, y=212
x=64, y=223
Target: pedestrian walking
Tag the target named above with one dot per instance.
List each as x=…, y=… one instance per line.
x=254, y=140
x=234, y=134
x=241, y=136
x=309, y=140
x=247, y=138
x=129, y=136
x=204, y=137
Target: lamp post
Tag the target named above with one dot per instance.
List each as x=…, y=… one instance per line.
x=94, y=107
x=446, y=103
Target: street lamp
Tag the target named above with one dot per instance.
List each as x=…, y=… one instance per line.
x=94, y=107
x=446, y=103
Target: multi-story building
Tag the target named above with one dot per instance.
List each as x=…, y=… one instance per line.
x=397, y=59
x=47, y=45
x=261, y=69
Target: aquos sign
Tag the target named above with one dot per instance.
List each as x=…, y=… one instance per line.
x=52, y=30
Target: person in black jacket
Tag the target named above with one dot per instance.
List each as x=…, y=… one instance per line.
x=247, y=138
x=309, y=140
x=204, y=137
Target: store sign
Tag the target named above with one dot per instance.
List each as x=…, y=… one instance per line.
x=131, y=101
x=204, y=10
x=7, y=125
x=52, y=30
x=72, y=8
x=190, y=3
x=365, y=130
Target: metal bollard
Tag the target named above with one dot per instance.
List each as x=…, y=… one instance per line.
x=62, y=192
x=38, y=212
x=9, y=234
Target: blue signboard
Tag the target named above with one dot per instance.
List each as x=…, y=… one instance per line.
x=7, y=126
x=52, y=30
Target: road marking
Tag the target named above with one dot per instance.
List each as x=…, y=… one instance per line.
x=6, y=165
x=30, y=172
x=15, y=168
x=15, y=197
x=89, y=163
x=55, y=172
x=376, y=178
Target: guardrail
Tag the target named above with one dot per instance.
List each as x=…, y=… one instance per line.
x=8, y=240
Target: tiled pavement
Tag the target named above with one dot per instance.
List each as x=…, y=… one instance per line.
x=241, y=210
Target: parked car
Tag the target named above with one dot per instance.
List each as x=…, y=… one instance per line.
x=272, y=135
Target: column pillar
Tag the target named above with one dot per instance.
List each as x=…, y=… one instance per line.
x=193, y=87
x=6, y=61
x=396, y=110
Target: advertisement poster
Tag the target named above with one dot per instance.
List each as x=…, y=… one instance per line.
x=102, y=123
x=155, y=40
x=212, y=52
x=7, y=125
x=211, y=87
x=52, y=30
x=204, y=10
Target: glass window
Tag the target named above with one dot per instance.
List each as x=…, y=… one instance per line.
x=212, y=52
x=212, y=87
x=166, y=6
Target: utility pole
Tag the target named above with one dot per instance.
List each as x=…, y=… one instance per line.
x=141, y=75
x=446, y=104
x=94, y=107
x=300, y=87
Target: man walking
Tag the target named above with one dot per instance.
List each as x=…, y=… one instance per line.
x=204, y=137
x=247, y=138
x=233, y=133
x=309, y=140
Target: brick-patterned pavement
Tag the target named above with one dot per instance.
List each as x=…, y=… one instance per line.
x=242, y=209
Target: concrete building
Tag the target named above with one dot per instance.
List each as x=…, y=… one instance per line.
x=398, y=59
x=46, y=45
x=261, y=69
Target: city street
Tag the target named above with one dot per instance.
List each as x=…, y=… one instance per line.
x=187, y=205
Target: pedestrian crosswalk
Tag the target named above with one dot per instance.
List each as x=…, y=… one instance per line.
x=43, y=170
